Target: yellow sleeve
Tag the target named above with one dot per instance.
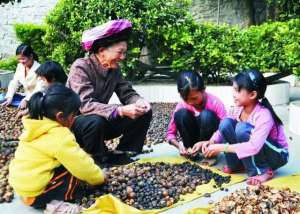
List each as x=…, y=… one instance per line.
x=78, y=162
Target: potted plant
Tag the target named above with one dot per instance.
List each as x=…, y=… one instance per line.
x=7, y=69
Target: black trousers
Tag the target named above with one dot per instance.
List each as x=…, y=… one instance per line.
x=193, y=129
x=63, y=187
x=91, y=131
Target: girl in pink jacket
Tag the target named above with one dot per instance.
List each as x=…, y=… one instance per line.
x=252, y=135
x=197, y=117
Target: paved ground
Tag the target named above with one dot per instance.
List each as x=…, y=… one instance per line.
x=16, y=207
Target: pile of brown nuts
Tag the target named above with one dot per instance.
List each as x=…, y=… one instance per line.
x=154, y=185
x=259, y=200
x=161, y=115
x=10, y=126
x=6, y=154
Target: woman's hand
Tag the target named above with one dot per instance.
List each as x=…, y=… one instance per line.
x=23, y=104
x=7, y=102
x=213, y=150
x=144, y=104
x=132, y=111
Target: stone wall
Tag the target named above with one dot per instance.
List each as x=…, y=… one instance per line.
x=27, y=11
x=234, y=12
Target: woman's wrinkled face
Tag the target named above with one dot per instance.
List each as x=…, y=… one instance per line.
x=114, y=54
x=24, y=60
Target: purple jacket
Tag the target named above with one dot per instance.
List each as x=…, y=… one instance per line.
x=212, y=103
x=264, y=127
x=95, y=86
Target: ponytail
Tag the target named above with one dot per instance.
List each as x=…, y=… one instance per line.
x=265, y=102
x=57, y=98
x=253, y=80
x=35, y=106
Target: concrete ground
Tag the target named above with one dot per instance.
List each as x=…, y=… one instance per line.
x=16, y=206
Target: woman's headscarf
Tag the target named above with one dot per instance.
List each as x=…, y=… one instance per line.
x=104, y=32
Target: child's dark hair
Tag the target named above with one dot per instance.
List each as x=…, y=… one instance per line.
x=253, y=80
x=52, y=71
x=26, y=50
x=56, y=98
x=187, y=81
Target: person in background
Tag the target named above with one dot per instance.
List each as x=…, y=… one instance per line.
x=48, y=73
x=25, y=75
x=49, y=164
x=95, y=79
x=253, y=133
x=197, y=117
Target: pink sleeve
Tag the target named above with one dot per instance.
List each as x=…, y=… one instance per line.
x=217, y=137
x=172, y=130
x=219, y=108
x=263, y=125
x=233, y=113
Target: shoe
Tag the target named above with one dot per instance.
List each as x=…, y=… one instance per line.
x=228, y=170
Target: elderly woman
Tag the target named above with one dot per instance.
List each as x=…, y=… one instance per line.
x=95, y=79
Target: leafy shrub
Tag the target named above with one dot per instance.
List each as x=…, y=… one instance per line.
x=148, y=18
x=173, y=37
x=32, y=34
x=9, y=63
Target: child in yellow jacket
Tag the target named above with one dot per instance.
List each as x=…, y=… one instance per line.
x=48, y=163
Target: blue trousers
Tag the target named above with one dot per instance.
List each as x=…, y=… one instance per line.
x=271, y=155
x=194, y=129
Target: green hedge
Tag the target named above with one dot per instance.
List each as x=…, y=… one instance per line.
x=32, y=34
x=9, y=64
x=148, y=17
x=220, y=51
x=171, y=34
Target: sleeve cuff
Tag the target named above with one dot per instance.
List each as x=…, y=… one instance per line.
x=114, y=114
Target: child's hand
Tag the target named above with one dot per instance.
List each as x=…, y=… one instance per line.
x=182, y=150
x=132, y=111
x=197, y=148
x=213, y=149
x=205, y=146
